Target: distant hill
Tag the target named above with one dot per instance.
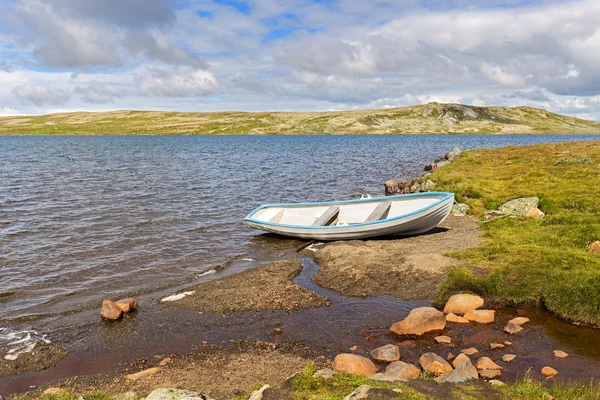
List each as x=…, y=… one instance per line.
x=428, y=118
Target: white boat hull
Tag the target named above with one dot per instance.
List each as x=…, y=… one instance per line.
x=439, y=205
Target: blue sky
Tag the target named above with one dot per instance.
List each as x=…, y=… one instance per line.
x=299, y=55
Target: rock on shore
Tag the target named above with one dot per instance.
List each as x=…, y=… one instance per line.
x=354, y=364
x=420, y=320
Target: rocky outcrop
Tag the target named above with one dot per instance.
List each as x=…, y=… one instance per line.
x=519, y=207
x=420, y=320
x=481, y=316
x=110, y=311
x=402, y=371
x=464, y=372
x=434, y=364
x=176, y=394
x=388, y=353
x=406, y=186
x=462, y=303
x=354, y=364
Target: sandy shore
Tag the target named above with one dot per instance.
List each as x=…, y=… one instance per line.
x=409, y=268
x=269, y=287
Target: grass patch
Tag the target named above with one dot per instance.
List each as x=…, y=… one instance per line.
x=530, y=390
x=529, y=261
x=306, y=387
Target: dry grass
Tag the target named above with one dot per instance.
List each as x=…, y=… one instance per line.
x=429, y=118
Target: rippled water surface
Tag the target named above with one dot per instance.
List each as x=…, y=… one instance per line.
x=85, y=218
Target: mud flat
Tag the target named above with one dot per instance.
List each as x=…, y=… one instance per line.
x=408, y=268
x=269, y=287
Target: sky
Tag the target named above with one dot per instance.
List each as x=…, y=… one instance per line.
x=297, y=55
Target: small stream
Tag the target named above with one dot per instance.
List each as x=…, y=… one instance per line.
x=155, y=331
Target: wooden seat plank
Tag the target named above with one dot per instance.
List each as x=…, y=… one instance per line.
x=327, y=217
x=379, y=212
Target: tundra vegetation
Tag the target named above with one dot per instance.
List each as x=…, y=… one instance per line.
x=430, y=118
x=524, y=260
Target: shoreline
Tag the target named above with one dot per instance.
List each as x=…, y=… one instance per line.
x=346, y=264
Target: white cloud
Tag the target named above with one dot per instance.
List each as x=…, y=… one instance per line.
x=41, y=95
x=96, y=93
x=183, y=82
x=497, y=75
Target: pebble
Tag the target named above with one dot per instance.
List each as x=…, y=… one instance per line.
x=495, y=346
x=450, y=357
x=110, y=311
x=127, y=305
x=549, y=372
x=508, y=343
x=164, y=362
x=508, y=357
x=143, y=374
x=470, y=351
x=443, y=339
x=486, y=363
x=278, y=331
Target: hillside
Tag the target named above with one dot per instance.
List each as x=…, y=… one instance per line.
x=429, y=118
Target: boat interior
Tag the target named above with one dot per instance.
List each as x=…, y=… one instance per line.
x=342, y=213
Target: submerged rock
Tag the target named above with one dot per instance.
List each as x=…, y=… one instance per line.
x=512, y=329
x=520, y=206
x=419, y=321
x=110, y=311
x=560, y=354
x=402, y=371
x=519, y=321
x=464, y=372
x=434, y=364
x=354, y=364
x=462, y=303
x=388, y=353
x=176, y=394
x=481, y=316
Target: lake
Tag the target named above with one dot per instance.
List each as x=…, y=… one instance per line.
x=84, y=218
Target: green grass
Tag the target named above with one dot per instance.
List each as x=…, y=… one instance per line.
x=428, y=118
x=529, y=390
x=523, y=261
x=305, y=387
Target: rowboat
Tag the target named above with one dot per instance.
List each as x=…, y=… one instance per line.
x=409, y=214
